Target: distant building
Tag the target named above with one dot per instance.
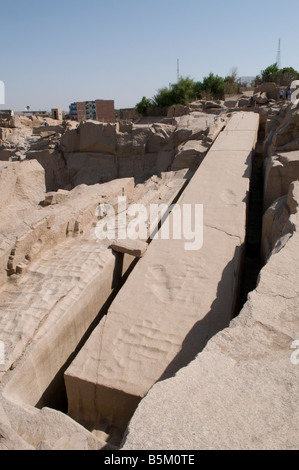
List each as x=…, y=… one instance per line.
x=33, y=113
x=56, y=113
x=98, y=110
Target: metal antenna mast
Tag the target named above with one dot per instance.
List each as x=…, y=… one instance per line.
x=278, y=57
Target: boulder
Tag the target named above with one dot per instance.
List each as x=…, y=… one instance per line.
x=188, y=153
x=90, y=136
x=196, y=105
x=16, y=183
x=181, y=135
x=279, y=223
x=244, y=101
x=196, y=122
x=213, y=104
x=27, y=428
x=97, y=137
x=281, y=170
x=286, y=137
x=269, y=88
x=161, y=136
x=231, y=103
x=260, y=98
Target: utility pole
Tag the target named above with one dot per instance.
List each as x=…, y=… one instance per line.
x=178, y=70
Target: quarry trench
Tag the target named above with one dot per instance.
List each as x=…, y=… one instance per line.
x=252, y=262
x=116, y=385
x=55, y=395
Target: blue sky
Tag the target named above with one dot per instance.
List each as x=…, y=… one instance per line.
x=59, y=51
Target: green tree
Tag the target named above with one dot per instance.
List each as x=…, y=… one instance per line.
x=186, y=90
x=183, y=92
x=279, y=76
x=214, y=85
x=162, y=99
x=270, y=74
x=198, y=90
x=143, y=105
x=287, y=75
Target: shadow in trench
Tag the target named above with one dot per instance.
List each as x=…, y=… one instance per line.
x=253, y=264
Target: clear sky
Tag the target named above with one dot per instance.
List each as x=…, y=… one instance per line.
x=58, y=51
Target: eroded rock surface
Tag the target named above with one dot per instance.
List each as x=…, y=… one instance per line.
x=241, y=392
x=282, y=162
x=97, y=152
